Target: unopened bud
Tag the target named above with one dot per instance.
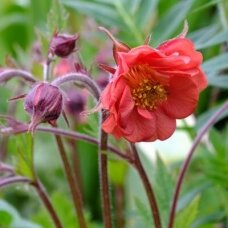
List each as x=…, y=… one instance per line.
x=44, y=102
x=63, y=45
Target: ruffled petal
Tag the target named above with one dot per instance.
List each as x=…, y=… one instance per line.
x=182, y=97
x=200, y=80
x=165, y=125
x=139, y=129
x=182, y=47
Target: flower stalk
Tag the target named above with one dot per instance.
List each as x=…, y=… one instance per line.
x=103, y=170
x=186, y=163
x=47, y=203
x=74, y=188
x=148, y=187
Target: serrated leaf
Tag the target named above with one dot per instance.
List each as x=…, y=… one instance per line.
x=144, y=212
x=57, y=17
x=164, y=188
x=218, y=142
x=187, y=216
x=24, y=155
x=189, y=196
x=216, y=64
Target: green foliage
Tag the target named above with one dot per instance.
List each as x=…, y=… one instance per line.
x=11, y=218
x=22, y=146
x=23, y=22
x=117, y=171
x=186, y=217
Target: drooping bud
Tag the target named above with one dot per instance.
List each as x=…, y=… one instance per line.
x=75, y=104
x=102, y=81
x=117, y=45
x=63, y=45
x=44, y=102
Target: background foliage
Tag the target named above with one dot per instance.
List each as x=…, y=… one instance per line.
x=204, y=199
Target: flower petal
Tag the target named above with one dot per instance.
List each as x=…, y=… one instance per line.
x=182, y=47
x=182, y=97
x=165, y=125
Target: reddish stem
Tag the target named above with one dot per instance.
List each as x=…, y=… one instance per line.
x=74, y=188
x=185, y=166
x=47, y=203
x=103, y=170
x=147, y=186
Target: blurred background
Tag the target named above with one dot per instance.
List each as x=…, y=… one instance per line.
x=26, y=27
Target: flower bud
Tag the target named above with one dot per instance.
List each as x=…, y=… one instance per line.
x=76, y=104
x=44, y=102
x=63, y=45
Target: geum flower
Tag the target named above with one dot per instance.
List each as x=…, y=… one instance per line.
x=151, y=88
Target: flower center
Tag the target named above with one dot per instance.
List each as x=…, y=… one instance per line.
x=147, y=90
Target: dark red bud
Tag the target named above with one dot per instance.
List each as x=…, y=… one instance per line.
x=102, y=81
x=44, y=102
x=63, y=45
x=76, y=103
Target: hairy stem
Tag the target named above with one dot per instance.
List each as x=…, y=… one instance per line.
x=12, y=180
x=66, y=133
x=82, y=78
x=74, y=188
x=7, y=74
x=41, y=191
x=147, y=186
x=186, y=163
x=103, y=170
x=47, y=203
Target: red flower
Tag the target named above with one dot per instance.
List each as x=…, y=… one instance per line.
x=151, y=88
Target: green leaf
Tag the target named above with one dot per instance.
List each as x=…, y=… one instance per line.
x=189, y=196
x=23, y=156
x=145, y=12
x=171, y=20
x=57, y=17
x=214, y=40
x=164, y=188
x=216, y=64
x=144, y=212
x=117, y=171
x=212, y=218
x=104, y=13
x=203, y=118
x=218, y=80
x=6, y=218
x=13, y=217
x=187, y=216
x=217, y=141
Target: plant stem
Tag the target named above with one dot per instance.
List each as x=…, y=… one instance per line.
x=74, y=188
x=12, y=180
x=6, y=75
x=103, y=170
x=41, y=191
x=47, y=203
x=65, y=133
x=186, y=163
x=147, y=186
